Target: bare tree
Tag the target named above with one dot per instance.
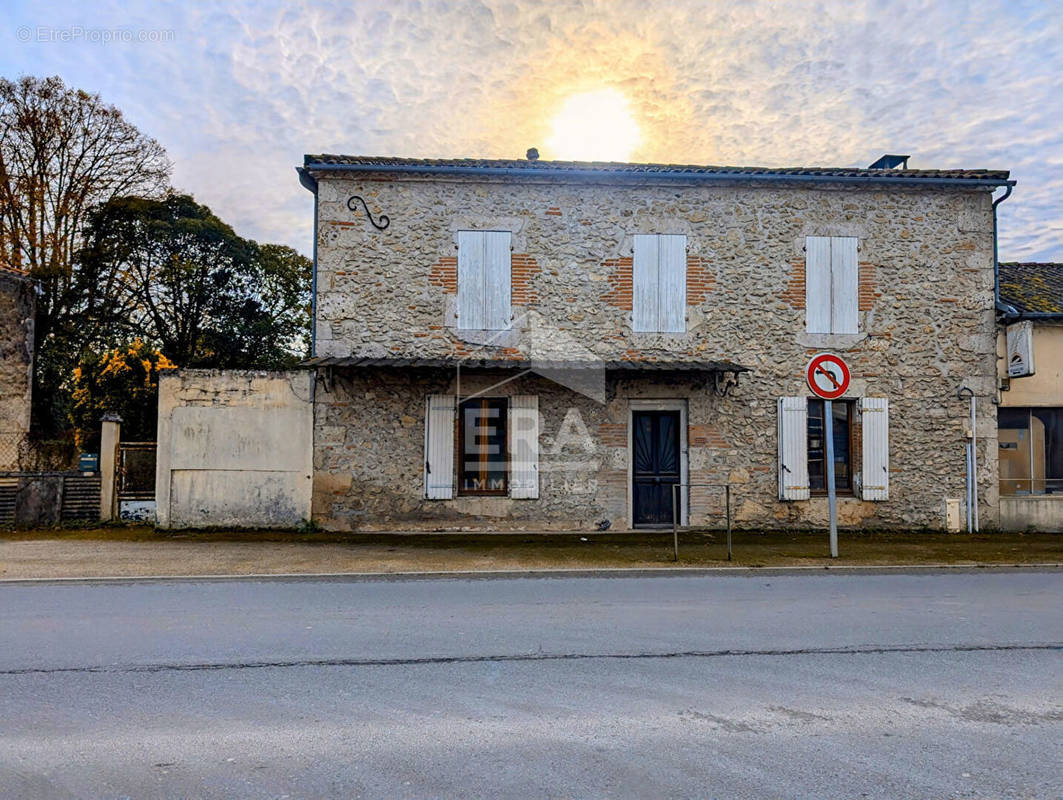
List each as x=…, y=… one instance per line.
x=62, y=151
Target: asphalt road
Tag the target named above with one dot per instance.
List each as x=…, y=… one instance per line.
x=764, y=685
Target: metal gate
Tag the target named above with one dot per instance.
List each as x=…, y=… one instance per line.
x=136, y=471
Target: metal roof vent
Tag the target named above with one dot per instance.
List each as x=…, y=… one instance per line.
x=533, y=153
x=890, y=161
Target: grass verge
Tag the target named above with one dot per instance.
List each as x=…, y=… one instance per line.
x=140, y=550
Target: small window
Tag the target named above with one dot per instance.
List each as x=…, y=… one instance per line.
x=484, y=280
x=817, y=447
x=484, y=460
x=659, y=283
x=1031, y=450
x=831, y=285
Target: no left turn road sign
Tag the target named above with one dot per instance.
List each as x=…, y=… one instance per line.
x=828, y=376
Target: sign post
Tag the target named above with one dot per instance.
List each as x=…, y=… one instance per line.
x=828, y=377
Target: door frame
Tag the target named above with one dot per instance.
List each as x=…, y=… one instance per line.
x=671, y=404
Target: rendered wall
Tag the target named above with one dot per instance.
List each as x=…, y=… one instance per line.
x=235, y=449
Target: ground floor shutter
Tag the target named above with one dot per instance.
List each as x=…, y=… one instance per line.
x=793, y=448
x=439, y=447
x=524, y=447
x=875, y=416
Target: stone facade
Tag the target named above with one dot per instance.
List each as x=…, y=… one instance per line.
x=926, y=325
x=17, y=302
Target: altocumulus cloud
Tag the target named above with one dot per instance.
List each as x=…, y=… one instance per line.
x=242, y=89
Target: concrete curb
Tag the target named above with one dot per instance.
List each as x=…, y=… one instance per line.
x=575, y=572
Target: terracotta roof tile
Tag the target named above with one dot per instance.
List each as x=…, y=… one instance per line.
x=1032, y=287
x=614, y=168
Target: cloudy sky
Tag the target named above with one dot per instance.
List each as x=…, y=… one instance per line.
x=238, y=91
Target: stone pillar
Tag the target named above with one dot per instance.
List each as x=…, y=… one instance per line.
x=110, y=435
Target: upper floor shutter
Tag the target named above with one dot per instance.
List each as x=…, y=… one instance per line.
x=844, y=289
x=439, y=447
x=875, y=417
x=497, y=280
x=817, y=284
x=793, y=448
x=672, y=283
x=644, y=276
x=484, y=280
x=471, y=280
x=831, y=285
x=524, y=446
x=659, y=278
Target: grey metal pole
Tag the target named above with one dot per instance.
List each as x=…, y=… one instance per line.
x=974, y=466
x=970, y=494
x=675, y=525
x=832, y=501
x=728, y=522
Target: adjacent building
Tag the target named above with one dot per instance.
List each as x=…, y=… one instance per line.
x=513, y=344
x=17, y=304
x=1030, y=413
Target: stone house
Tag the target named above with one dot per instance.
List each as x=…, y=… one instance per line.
x=552, y=345
x=17, y=304
x=1030, y=410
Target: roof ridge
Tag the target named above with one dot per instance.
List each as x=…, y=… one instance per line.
x=381, y=163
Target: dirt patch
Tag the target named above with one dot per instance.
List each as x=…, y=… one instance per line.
x=143, y=551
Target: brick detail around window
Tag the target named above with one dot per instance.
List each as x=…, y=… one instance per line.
x=868, y=283
x=700, y=280
x=524, y=269
x=613, y=434
x=794, y=294
x=707, y=436
x=444, y=273
x=620, y=289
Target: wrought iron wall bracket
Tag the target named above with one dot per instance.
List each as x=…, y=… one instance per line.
x=353, y=206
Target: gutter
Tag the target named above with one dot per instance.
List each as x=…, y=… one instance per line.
x=1004, y=308
x=309, y=182
x=551, y=172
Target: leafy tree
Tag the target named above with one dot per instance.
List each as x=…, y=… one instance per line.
x=189, y=284
x=123, y=381
x=63, y=152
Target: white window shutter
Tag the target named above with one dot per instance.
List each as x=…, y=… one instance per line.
x=497, y=280
x=844, y=285
x=644, y=277
x=793, y=448
x=875, y=416
x=524, y=447
x=672, y=283
x=471, y=282
x=817, y=284
x=439, y=447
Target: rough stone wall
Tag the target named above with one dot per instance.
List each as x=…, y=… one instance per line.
x=926, y=322
x=17, y=302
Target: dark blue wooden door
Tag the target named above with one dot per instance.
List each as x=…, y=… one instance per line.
x=655, y=459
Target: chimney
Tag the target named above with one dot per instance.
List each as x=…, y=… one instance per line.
x=890, y=161
x=532, y=154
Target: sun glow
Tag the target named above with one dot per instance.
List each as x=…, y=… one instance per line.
x=594, y=126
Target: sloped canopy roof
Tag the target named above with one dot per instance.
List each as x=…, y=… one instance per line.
x=1032, y=287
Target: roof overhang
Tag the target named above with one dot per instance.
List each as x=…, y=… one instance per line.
x=574, y=170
